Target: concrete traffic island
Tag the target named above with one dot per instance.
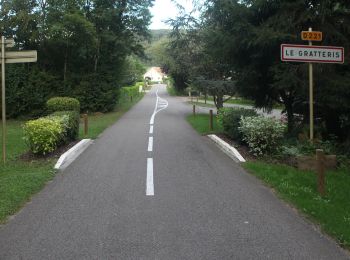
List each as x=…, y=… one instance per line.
x=69, y=156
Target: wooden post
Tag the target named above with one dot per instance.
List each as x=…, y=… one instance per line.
x=86, y=126
x=3, y=117
x=130, y=98
x=320, y=167
x=211, y=120
x=194, y=110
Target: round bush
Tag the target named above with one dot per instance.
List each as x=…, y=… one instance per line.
x=73, y=118
x=261, y=133
x=63, y=104
x=230, y=118
x=43, y=135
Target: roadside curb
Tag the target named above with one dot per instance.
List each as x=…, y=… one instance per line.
x=69, y=156
x=226, y=148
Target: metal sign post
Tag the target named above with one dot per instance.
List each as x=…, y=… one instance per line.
x=310, y=53
x=10, y=57
x=311, y=95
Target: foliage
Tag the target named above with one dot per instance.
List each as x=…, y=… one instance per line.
x=332, y=212
x=262, y=134
x=96, y=94
x=200, y=122
x=19, y=181
x=84, y=48
x=230, y=119
x=43, y=135
x=99, y=122
x=72, y=131
x=133, y=91
x=240, y=40
x=255, y=54
x=19, y=178
x=62, y=104
x=28, y=91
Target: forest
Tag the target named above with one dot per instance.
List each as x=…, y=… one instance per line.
x=87, y=49
x=233, y=48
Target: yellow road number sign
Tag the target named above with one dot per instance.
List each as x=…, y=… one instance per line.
x=311, y=36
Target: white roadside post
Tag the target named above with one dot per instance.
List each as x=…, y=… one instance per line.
x=10, y=57
x=311, y=54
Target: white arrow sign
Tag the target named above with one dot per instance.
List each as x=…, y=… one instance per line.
x=20, y=56
x=10, y=57
x=318, y=54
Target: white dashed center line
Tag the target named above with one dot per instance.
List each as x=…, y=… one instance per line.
x=150, y=144
x=160, y=105
x=150, y=185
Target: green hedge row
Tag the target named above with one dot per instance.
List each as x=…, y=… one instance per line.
x=45, y=134
x=131, y=91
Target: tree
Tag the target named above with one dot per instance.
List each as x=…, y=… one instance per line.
x=83, y=47
x=250, y=33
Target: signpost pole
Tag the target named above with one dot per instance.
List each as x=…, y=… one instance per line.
x=3, y=108
x=311, y=96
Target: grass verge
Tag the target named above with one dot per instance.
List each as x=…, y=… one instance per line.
x=200, y=123
x=19, y=180
x=241, y=101
x=98, y=123
x=331, y=212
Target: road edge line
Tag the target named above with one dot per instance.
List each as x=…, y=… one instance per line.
x=227, y=149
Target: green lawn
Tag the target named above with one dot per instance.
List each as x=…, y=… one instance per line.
x=332, y=212
x=200, y=122
x=238, y=101
x=98, y=123
x=19, y=180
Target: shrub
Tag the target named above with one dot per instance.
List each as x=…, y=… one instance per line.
x=62, y=104
x=261, y=133
x=229, y=118
x=96, y=92
x=130, y=91
x=43, y=135
x=72, y=131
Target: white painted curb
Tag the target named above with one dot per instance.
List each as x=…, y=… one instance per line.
x=228, y=149
x=69, y=156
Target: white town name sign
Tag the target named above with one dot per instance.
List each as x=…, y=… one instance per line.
x=306, y=53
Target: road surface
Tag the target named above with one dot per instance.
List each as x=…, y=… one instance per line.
x=159, y=191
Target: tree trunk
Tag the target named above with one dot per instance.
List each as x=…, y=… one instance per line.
x=219, y=101
x=65, y=64
x=97, y=56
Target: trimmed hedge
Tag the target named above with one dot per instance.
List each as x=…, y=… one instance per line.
x=43, y=135
x=230, y=119
x=131, y=91
x=73, y=123
x=63, y=104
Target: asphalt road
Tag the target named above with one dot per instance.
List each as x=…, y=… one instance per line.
x=197, y=204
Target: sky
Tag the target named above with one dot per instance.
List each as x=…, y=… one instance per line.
x=165, y=9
